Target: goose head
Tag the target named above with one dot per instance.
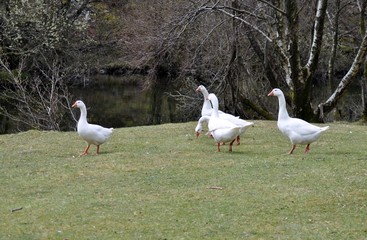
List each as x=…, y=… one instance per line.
x=78, y=104
x=199, y=88
x=199, y=126
x=203, y=90
x=275, y=92
x=198, y=130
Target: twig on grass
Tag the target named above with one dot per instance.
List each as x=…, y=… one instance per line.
x=16, y=209
x=215, y=188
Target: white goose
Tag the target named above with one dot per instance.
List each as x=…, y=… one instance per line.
x=207, y=110
x=222, y=130
x=91, y=133
x=199, y=126
x=243, y=124
x=297, y=130
x=237, y=121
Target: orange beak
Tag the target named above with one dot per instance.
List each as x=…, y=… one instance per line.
x=74, y=105
x=197, y=134
x=271, y=94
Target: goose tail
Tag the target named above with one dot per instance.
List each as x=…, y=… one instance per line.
x=324, y=128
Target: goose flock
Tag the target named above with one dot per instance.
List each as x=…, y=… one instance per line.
x=223, y=127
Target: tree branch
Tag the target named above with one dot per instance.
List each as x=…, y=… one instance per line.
x=317, y=36
x=273, y=6
x=330, y=104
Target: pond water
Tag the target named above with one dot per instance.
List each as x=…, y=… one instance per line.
x=121, y=101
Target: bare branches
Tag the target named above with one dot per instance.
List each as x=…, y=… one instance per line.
x=239, y=16
x=247, y=23
x=37, y=103
x=42, y=47
x=273, y=6
x=331, y=102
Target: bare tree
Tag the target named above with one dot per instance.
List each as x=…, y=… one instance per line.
x=362, y=8
x=42, y=44
x=38, y=103
x=278, y=33
x=330, y=103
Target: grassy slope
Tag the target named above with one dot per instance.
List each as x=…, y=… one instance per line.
x=154, y=182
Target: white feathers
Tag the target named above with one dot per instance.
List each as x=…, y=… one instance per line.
x=297, y=130
x=91, y=133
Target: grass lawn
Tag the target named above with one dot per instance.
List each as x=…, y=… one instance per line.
x=160, y=182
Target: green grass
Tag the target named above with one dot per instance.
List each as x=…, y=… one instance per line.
x=160, y=182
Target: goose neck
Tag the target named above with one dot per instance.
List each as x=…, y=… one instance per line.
x=207, y=104
x=205, y=93
x=83, y=114
x=215, y=104
x=283, y=113
x=204, y=119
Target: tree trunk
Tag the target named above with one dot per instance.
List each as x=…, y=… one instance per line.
x=330, y=104
x=364, y=78
x=302, y=77
x=364, y=93
x=334, y=47
x=297, y=83
x=230, y=78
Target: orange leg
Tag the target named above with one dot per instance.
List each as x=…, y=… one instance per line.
x=221, y=143
x=230, y=145
x=238, y=140
x=307, y=149
x=85, y=151
x=97, y=149
x=218, y=146
x=291, y=151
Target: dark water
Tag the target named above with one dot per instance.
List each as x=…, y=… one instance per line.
x=121, y=101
